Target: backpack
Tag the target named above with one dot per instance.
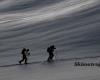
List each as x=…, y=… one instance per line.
x=48, y=49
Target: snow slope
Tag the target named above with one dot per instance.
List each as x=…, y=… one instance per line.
x=72, y=25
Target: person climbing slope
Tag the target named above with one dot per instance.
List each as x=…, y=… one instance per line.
x=25, y=53
x=50, y=50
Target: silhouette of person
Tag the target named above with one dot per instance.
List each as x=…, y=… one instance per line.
x=50, y=50
x=24, y=55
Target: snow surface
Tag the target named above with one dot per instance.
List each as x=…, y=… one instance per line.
x=52, y=71
x=71, y=25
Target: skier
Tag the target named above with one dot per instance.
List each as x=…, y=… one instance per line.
x=24, y=55
x=50, y=50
